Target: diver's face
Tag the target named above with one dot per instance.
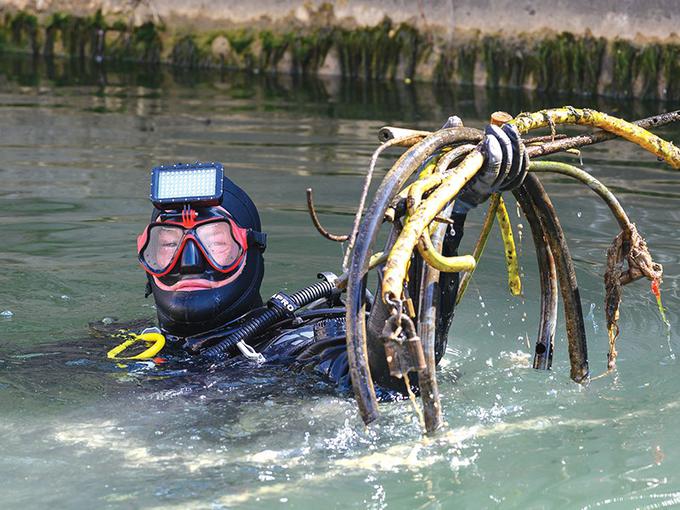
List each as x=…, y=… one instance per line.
x=204, y=251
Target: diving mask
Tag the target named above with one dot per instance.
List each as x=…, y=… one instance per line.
x=217, y=236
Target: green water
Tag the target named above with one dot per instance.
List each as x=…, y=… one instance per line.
x=76, y=431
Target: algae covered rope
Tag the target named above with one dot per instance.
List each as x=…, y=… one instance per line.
x=553, y=256
x=628, y=247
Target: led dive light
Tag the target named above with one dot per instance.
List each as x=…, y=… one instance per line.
x=198, y=184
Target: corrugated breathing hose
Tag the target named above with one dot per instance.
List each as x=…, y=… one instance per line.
x=279, y=306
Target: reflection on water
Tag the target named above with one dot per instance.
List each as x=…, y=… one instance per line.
x=77, y=431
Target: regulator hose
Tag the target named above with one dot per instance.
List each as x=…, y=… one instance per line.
x=279, y=306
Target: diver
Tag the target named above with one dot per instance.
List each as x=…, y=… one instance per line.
x=202, y=252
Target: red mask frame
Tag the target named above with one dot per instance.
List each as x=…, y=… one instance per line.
x=189, y=224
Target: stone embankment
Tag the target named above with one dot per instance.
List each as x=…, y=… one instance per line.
x=618, y=48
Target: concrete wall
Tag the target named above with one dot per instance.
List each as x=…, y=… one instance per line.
x=605, y=18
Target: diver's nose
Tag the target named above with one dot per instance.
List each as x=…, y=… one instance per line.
x=192, y=260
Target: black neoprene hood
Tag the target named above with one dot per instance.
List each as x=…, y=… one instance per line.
x=185, y=314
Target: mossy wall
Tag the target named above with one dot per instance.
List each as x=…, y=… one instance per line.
x=320, y=42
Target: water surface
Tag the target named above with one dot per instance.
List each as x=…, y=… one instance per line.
x=77, y=431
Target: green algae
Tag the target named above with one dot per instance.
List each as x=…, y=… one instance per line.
x=369, y=52
x=308, y=50
x=274, y=46
x=187, y=53
x=587, y=64
x=446, y=66
x=146, y=44
x=24, y=31
x=646, y=70
x=670, y=71
x=496, y=54
x=415, y=48
x=547, y=61
x=466, y=62
x=240, y=40
x=141, y=44
x=623, y=53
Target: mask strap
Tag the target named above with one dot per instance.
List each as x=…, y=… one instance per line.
x=257, y=239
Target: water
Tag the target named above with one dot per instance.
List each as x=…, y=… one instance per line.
x=79, y=432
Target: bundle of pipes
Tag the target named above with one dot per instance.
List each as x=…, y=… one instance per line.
x=447, y=160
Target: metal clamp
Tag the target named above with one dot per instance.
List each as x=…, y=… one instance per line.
x=403, y=348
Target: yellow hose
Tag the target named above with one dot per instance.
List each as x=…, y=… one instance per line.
x=155, y=342
x=585, y=116
x=511, y=261
x=480, y=244
x=427, y=171
x=439, y=261
x=419, y=188
x=395, y=268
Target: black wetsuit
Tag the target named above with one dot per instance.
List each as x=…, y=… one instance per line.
x=314, y=340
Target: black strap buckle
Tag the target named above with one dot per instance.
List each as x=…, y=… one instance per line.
x=257, y=239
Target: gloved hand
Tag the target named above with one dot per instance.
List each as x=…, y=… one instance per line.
x=505, y=166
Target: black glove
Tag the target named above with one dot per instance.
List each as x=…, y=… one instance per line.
x=505, y=166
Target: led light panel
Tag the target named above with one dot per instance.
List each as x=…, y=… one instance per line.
x=199, y=185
